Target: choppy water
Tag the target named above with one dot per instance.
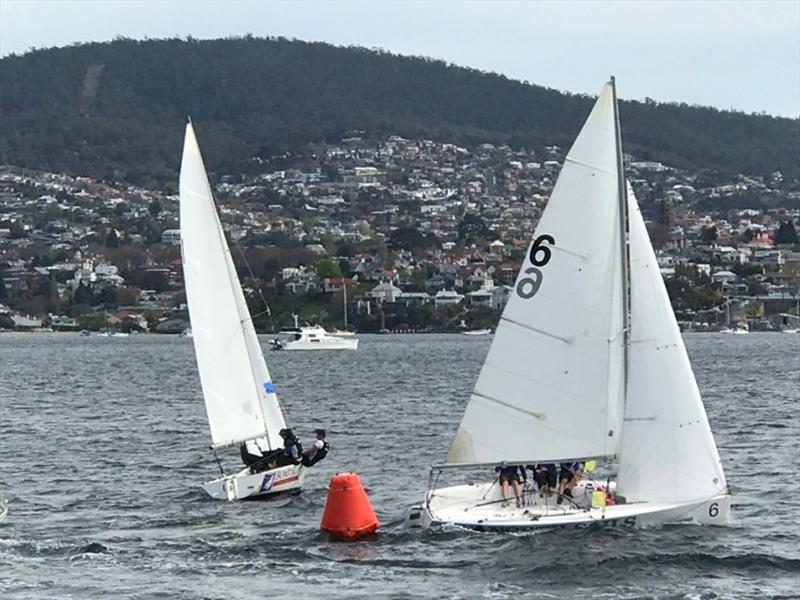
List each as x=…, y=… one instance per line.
x=103, y=443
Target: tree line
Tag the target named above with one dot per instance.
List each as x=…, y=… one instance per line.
x=115, y=110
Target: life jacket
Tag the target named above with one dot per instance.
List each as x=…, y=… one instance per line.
x=318, y=455
x=293, y=449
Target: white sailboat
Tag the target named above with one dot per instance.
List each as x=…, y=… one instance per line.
x=344, y=332
x=238, y=391
x=587, y=363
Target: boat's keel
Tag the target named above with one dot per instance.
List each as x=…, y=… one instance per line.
x=246, y=485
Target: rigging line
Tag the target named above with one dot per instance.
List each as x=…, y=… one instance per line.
x=258, y=287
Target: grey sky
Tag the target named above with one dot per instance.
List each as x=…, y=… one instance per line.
x=741, y=55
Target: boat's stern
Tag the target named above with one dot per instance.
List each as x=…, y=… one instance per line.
x=418, y=516
x=714, y=511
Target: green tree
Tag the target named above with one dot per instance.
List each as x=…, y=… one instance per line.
x=112, y=240
x=708, y=234
x=82, y=295
x=472, y=226
x=786, y=233
x=326, y=268
x=154, y=208
x=108, y=296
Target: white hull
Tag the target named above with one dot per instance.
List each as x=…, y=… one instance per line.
x=480, y=507
x=332, y=344
x=246, y=485
x=339, y=333
x=478, y=332
x=326, y=343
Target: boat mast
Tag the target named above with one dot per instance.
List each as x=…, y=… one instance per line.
x=344, y=301
x=625, y=253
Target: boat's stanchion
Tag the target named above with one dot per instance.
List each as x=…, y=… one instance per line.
x=219, y=462
x=432, y=481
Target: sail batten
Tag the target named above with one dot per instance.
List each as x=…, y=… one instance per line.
x=230, y=363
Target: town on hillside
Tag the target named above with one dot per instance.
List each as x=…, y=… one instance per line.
x=393, y=234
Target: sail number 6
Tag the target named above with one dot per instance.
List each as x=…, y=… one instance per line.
x=537, y=248
x=540, y=256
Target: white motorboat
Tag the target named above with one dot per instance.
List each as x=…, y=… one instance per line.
x=477, y=332
x=314, y=337
x=736, y=331
x=587, y=364
x=239, y=394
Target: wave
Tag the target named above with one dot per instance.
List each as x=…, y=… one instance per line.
x=704, y=560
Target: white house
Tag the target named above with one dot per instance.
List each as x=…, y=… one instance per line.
x=385, y=291
x=447, y=298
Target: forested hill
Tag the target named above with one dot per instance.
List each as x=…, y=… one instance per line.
x=116, y=110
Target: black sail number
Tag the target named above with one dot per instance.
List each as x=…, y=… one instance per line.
x=528, y=286
x=537, y=249
x=540, y=255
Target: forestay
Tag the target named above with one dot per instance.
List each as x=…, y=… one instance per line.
x=668, y=453
x=552, y=384
x=239, y=396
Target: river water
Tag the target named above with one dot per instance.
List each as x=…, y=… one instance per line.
x=104, y=442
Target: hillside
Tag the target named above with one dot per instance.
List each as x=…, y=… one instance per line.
x=116, y=110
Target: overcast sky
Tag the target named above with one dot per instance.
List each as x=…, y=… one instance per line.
x=741, y=55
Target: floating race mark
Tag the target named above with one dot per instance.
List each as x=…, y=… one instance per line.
x=269, y=387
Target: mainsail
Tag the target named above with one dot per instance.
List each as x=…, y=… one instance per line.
x=552, y=385
x=668, y=451
x=239, y=395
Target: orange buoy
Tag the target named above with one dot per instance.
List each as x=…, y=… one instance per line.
x=348, y=512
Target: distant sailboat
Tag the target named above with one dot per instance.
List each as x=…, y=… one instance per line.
x=238, y=391
x=587, y=364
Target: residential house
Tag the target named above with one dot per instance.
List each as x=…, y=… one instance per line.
x=447, y=298
x=385, y=292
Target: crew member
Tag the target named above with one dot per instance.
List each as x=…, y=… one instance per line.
x=510, y=475
x=319, y=449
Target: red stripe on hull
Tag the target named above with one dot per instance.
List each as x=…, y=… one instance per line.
x=287, y=480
